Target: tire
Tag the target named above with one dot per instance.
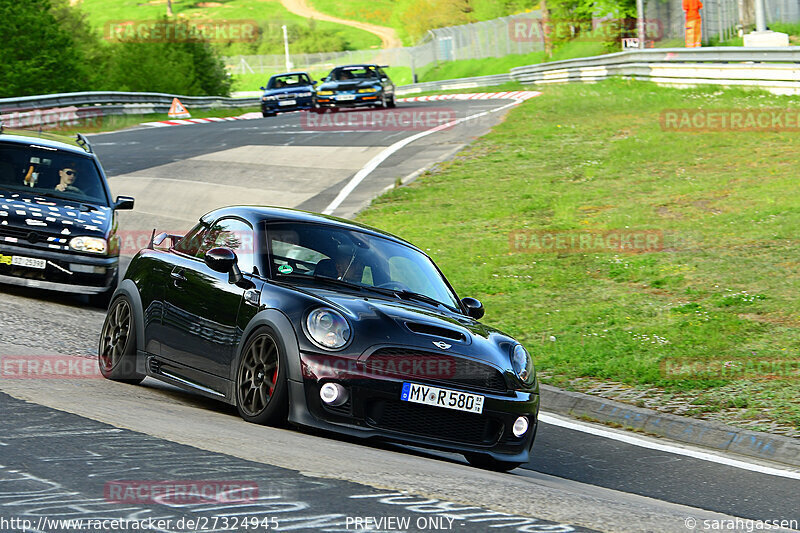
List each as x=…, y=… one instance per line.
x=262, y=395
x=266, y=114
x=392, y=103
x=117, y=351
x=487, y=462
x=383, y=104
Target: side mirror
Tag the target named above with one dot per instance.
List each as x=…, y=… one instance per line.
x=224, y=260
x=314, y=82
x=474, y=308
x=263, y=88
x=123, y=202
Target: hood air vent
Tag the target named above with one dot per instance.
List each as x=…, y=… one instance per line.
x=436, y=331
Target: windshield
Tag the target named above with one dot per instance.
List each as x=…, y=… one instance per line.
x=50, y=172
x=310, y=250
x=353, y=73
x=287, y=82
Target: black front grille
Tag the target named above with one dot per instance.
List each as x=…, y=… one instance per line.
x=432, y=366
x=433, y=422
x=30, y=236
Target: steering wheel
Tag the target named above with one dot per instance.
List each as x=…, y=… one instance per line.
x=394, y=285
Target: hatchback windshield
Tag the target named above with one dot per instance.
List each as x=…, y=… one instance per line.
x=316, y=251
x=353, y=73
x=50, y=172
x=289, y=81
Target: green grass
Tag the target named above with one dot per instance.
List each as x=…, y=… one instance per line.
x=594, y=157
x=270, y=14
x=399, y=14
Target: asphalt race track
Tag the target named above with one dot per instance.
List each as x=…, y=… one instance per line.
x=62, y=441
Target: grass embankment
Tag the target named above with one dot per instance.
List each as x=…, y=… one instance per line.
x=722, y=293
x=269, y=14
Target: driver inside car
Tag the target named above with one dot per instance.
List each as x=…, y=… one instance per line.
x=67, y=176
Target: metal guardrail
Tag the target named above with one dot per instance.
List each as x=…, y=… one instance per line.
x=458, y=83
x=117, y=101
x=773, y=68
x=705, y=64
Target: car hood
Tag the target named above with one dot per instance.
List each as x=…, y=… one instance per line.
x=347, y=85
x=46, y=215
x=379, y=320
x=293, y=90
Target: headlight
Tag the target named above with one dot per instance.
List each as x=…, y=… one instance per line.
x=522, y=364
x=269, y=98
x=88, y=244
x=324, y=93
x=303, y=95
x=370, y=90
x=328, y=328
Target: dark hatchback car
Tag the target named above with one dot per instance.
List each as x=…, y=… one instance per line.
x=356, y=86
x=288, y=92
x=58, y=226
x=331, y=324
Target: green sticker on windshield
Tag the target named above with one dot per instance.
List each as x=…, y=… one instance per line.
x=285, y=269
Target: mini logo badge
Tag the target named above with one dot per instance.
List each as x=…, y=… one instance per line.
x=441, y=344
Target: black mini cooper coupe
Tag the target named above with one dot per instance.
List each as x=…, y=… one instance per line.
x=326, y=323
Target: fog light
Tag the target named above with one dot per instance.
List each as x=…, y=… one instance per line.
x=520, y=426
x=334, y=394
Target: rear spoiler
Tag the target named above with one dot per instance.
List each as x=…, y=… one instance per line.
x=156, y=240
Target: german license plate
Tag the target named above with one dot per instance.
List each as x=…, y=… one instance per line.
x=29, y=262
x=346, y=97
x=287, y=102
x=449, y=399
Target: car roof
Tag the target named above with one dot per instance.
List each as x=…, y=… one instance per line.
x=255, y=214
x=289, y=74
x=46, y=139
x=357, y=65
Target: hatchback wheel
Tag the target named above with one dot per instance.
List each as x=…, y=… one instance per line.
x=261, y=388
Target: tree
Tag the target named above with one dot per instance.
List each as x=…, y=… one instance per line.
x=36, y=55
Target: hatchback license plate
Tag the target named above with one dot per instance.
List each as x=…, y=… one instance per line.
x=29, y=262
x=346, y=97
x=449, y=399
x=287, y=102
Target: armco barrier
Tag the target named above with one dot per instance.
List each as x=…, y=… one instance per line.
x=774, y=69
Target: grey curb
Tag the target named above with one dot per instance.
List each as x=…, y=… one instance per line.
x=714, y=435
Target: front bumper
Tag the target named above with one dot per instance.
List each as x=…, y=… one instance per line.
x=374, y=410
x=64, y=272
x=273, y=106
x=359, y=100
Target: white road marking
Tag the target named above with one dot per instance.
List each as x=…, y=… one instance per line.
x=678, y=450
x=381, y=157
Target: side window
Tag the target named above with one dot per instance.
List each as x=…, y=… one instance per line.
x=190, y=243
x=234, y=234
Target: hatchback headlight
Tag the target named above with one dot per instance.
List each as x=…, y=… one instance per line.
x=328, y=328
x=369, y=90
x=269, y=98
x=522, y=364
x=324, y=93
x=92, y=245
